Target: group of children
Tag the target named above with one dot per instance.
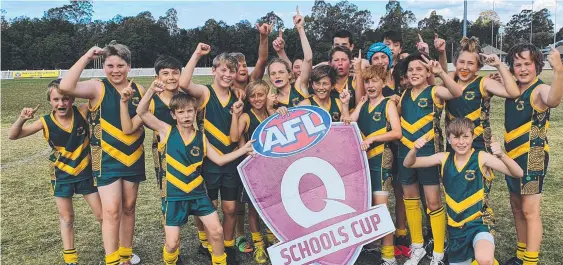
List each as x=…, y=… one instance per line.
x=201, y=133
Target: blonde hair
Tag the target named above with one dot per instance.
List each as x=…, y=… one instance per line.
x=120, y=50
x=255, y=85
x=54, y=85
x=278, y=60
x=230, y=61
x=375, y=71
x=469, y=45
x=181, y=100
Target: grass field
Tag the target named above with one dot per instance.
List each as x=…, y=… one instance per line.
x=29, y=219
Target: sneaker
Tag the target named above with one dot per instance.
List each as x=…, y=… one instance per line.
x=203, y=251
x=387, y=262
x=429, y=247
x=437, y=261
x=514, y=261
x=402, y=246
x=231, y=256
x=416, y=255
x=260, y=255
x=242, y=245
x=179, y=261
x=135, y=259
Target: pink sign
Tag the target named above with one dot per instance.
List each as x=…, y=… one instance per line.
x=317, y=201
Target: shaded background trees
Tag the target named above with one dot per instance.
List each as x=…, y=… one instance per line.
x=64, y=33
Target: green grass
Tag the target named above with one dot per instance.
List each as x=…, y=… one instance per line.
x=29, y=219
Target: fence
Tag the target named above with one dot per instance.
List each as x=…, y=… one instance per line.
x=136, y=72
x=91, y=73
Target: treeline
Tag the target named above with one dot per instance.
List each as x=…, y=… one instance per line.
x=63, y=34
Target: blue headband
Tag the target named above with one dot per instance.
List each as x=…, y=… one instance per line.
x=380, y=47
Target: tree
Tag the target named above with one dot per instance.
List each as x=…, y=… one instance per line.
x=432, y=22
x=272, y=18
x=518, y=28
x=482, y=27
x=77, y=12
x=326, y=19
x=396, y=18
x=170, y=21
x=559, y=35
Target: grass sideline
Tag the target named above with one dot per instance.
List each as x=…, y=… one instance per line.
x=29, y=219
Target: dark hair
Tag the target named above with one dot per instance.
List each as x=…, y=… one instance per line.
x=296, y=58
x=469, y=45
x=323, y=71
x=339, y=49
x=165, y=61
x=516, y=52
x=412, y=57
x=239, y=56
x=459, y=126
x=393, y=36
x=181, y=100
x=342, y=33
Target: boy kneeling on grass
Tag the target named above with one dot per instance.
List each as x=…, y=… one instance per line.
x=467, y=177
x=182, y=149
x=66, y=131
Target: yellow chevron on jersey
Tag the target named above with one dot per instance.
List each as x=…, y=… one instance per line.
x=412, y=128
x=210, y=128
x=125, y=159
x=118, y=134
x=73, y=155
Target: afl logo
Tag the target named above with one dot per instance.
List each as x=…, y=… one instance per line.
x=304, y=127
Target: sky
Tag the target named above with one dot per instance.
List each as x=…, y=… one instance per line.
x=194, y=13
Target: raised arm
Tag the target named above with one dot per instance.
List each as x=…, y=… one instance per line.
x=279, y=47
x=148, y=118
x=509, y=89
x=195, y=90
x=440, y=45
x=307, y=66
x=411, y=161
x=551, y=96
x=90, y=89
x=260, y=66
x=499, y=161
x=452, y=89
x=18, y=131
x=222, y=160
x=234, y=132
x=128, y=124
x=358, y=68
x=356, y=114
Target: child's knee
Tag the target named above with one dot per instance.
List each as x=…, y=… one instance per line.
x=531, y=213
x=172, y=245
x=67, y=220
x=216, y=232
x=485, y=260
x=111, y=215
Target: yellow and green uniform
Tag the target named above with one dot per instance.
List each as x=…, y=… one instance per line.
x=69, y=162
x=420, y=117
x=162, y=112
x=115, y=154
x=351, y=85
x=466, y=190
x=295, y=96
x=217, y=125
x=525, y=140
x=373, y=121
x=388, y=91
x=334, y=108
x=250, y=126
x=182, y=184
x=473, y=104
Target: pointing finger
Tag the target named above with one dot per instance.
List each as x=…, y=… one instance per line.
x=420, y=38
x=436, y=35
x=131, y=82
x=280, y=33
x=297, y=10
x=360, y=54
x=36, y=108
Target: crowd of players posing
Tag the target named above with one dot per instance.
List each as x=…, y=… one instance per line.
x=202, y=131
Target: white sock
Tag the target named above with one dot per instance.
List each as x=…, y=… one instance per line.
x=438, y=256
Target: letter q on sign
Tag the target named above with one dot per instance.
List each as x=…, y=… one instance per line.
x=334, y=186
